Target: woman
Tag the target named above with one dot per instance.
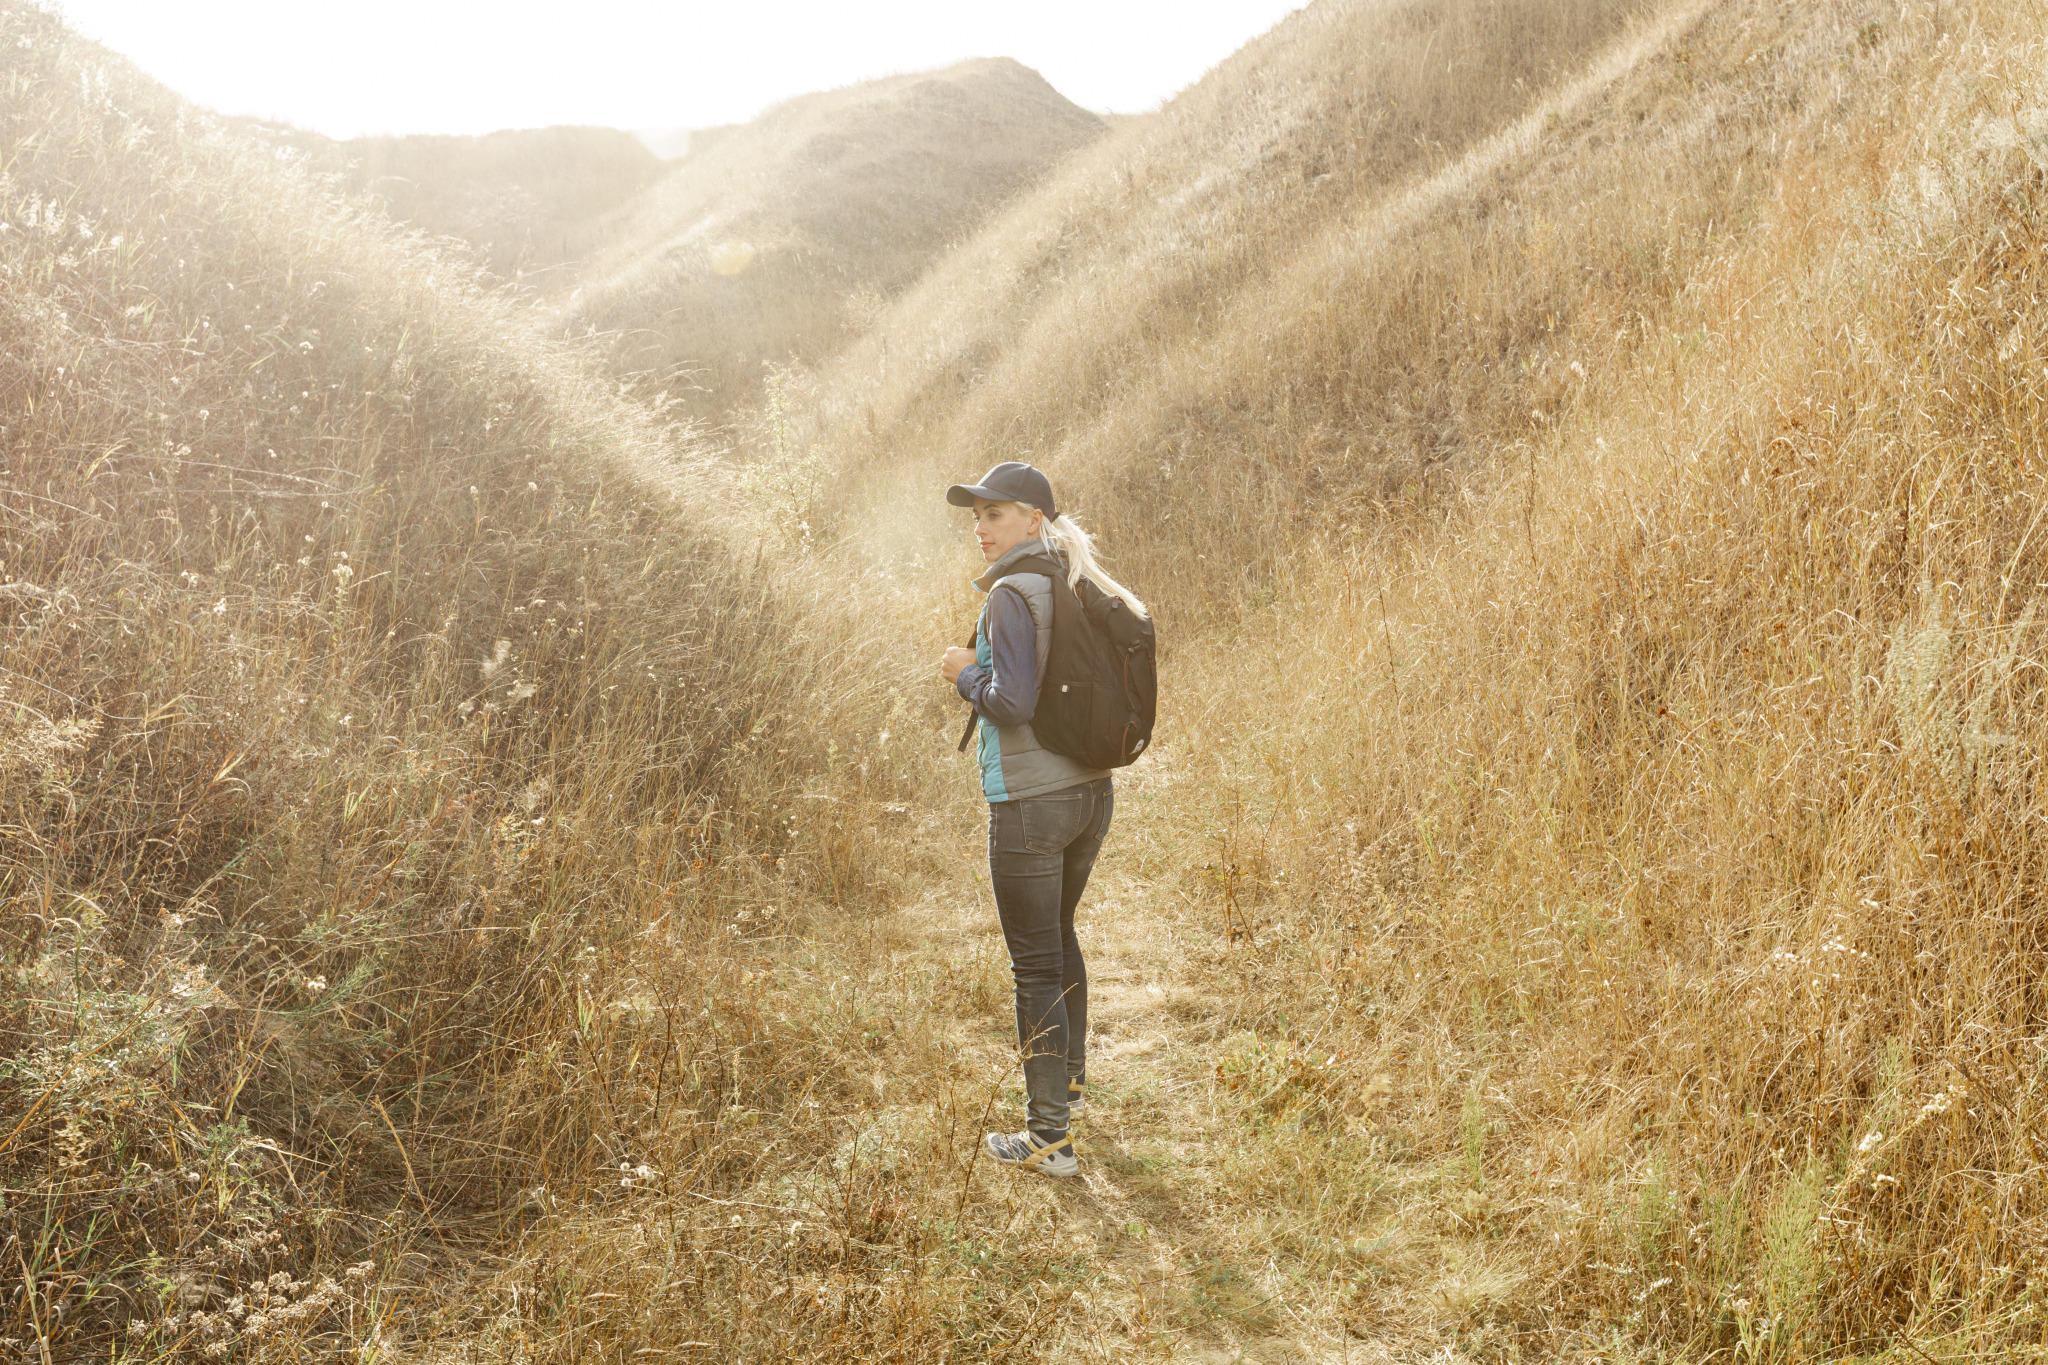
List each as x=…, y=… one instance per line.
x=1047, y=813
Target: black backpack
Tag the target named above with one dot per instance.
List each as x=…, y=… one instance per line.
x=1099, y=692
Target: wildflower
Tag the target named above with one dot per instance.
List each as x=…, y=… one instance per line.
x=220, y=608
x=1870, y=1140
x=315, y=984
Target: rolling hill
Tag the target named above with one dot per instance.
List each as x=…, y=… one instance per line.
x=526, y=204
x=1222, y=318
x=776, y=241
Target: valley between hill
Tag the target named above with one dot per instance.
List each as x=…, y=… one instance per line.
x=484, y=873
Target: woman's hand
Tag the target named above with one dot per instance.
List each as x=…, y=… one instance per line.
x=955, y=660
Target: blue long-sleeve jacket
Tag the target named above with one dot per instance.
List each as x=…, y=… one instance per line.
x=1007, y=692
x=1010, y=645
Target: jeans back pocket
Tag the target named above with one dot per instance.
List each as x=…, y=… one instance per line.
x=1050, y=823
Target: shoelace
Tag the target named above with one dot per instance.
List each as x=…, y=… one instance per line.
x=1043, y=1152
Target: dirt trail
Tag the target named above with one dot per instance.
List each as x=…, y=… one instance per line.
x=1185, y=1266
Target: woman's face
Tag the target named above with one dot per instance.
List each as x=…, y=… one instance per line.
x=1000, y=525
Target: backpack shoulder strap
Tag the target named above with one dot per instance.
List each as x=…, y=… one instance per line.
x=973, y=716
x=1039, y=564
x=1044, y=564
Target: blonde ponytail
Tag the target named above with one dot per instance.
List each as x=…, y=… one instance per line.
x=1077, y=547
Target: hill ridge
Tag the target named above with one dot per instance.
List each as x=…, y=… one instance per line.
x=825, y=205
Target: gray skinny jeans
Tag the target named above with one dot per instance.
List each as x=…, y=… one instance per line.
x=1040, y=851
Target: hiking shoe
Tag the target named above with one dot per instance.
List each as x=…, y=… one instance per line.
x=1024, y=1149
x=1077, y=1095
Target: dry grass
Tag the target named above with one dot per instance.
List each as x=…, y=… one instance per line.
x=1625, y=950
x=378, y=696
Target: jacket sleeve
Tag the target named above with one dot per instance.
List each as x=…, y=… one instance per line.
x=1008, y=693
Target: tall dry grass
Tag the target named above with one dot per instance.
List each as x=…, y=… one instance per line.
x=394, y=753
x=1212, y=323
x=1655, y=859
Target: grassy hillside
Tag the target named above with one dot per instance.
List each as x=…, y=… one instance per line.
x=1306, y=287
x=379, y=700
x=777, y=241
x=531, y=204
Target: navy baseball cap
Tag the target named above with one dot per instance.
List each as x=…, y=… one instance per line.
x=1010, y=481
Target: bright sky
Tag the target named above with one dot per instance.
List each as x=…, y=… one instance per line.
x=472, y=66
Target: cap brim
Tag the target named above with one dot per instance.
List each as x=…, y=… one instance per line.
x=964, y=494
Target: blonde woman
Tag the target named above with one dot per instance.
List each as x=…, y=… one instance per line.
x=1048, y=812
